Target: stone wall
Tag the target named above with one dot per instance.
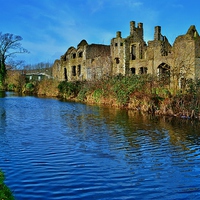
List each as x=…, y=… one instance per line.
x=132, y=55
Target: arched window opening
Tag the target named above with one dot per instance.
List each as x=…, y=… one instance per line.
x=80, y=54
x=164, y=73
x=73, y=70
x=74, y=55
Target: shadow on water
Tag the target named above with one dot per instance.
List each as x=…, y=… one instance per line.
x=2, y=94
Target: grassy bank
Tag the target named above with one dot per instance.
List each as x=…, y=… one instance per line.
x=5, y=192
x=137, y=92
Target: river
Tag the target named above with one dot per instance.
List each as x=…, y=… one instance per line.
x=56, y=150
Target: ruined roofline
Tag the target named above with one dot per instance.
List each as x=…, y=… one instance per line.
x=93, y=44
x=133, y=28
x=192, y=31
x=82, y=43
x=191, y=34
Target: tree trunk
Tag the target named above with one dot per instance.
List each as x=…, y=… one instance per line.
x=2, y=74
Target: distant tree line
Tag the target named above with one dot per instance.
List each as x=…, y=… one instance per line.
x=41, y=65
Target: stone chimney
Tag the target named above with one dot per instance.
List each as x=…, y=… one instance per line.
x=132, y=27
x=118, y=34
x=157, y=33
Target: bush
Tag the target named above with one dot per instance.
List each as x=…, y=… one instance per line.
x=47, y=87
x=123, y=86
x=29, y=86
x=69, y=89
x=97, y=94
x=11, y=87
x=82, y=95
x=5, y=192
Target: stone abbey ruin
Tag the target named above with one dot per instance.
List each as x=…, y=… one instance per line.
x=132, y=55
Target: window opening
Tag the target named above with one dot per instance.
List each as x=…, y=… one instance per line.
x=133, y=52
x=73, y=70
x=133, y=70
x=164, y=73
x=143, y=70
x=65, y=73
x=80, y=55
x=117, y=60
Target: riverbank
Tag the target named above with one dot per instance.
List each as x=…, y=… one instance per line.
x=5, y=192
x=139, y=92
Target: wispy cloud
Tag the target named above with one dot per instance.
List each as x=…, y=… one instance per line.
x=133, y=4
x=52, y=26
x=94, y=6
x=177, y=5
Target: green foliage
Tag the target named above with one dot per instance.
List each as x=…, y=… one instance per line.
x=5, y=192
x=11, y=87
x=97, y=94
x=161, y=92
x=30, y=86
x=68, y=89
x=123, y=86
x=82, y=94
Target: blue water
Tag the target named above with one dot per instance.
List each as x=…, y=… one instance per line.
x=62, y=150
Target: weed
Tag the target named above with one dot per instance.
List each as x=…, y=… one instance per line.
x=5, y=192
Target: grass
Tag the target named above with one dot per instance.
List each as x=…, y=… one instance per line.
x=5, y=192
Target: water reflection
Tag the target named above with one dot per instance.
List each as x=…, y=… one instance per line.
x=2, y=120
x=69, y=150
x=133, y=132
x=2, y=94
x=2, y=113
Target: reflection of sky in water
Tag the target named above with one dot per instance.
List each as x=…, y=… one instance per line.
x=72, y=150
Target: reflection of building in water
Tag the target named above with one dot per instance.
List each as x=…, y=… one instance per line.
x=132, y=55
x=2, y=120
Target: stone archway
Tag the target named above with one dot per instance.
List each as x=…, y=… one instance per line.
x=164, y=73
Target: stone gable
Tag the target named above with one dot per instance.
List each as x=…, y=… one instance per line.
x=132, y=55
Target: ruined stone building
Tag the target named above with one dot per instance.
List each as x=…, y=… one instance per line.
x=132, y=55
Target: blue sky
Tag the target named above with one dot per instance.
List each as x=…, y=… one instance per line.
x=50, y=27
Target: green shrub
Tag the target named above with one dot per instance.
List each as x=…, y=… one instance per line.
x=11, y=87
x=5, y=192
x=29, y=86
x=123, y=86
x=68, y=89
x=82, y=94
x=97, y=94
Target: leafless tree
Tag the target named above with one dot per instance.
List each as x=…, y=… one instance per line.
x=9, y=46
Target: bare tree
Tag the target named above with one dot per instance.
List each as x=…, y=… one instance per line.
x=9, y=46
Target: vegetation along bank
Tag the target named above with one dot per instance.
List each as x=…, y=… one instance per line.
x=137, y=92
x=5, y=192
